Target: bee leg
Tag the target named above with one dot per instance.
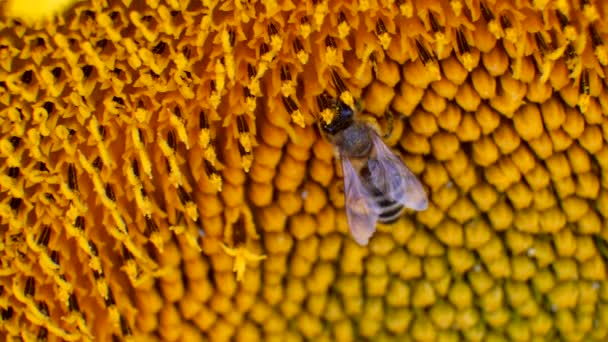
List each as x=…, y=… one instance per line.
x=321, y=134
x=359, y=107
x=390, y=120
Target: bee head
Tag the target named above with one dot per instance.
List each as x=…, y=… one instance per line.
x=344, y=116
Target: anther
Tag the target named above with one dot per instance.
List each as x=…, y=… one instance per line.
x=380, y=28
x=272, y=30
x=202, y=120
x=124, y=326
x=561, y=17
x=423, y=53
x=26, y=77
x=151, y=226
x=231, y=38
x=338, y=82
x=434, y=24
x=159, y=48
x=184, y=197
x=15, y=203
x=171, y=140
x=110, y=192
x=596, y=39
x=463, y=45
x=285, y=75
x=98, y=163
x=30, y=287
x=264, y=49
x=135, y=167
x=290, y=104
x=79, y=223
x=330, y=42
x=45, y=236
x=13, y=172
x=72, y=180
x=118, y=100
x=584, y=87
x=73, y=303
x=251, y=72
x=486, y=12
x=505, y=22
x=540, y=43
x=242, y=125
x=86, y=71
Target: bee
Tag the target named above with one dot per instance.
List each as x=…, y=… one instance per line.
x=377, y=184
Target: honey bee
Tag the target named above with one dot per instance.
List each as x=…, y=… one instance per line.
x=377, y=184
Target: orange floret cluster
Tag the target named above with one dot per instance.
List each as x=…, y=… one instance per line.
x=162, y=176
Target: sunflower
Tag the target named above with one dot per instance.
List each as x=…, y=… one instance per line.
x=162, y=175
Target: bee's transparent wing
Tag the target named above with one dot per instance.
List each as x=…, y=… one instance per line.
x=393, y=178
x=361, y=210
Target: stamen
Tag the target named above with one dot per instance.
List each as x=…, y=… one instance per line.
x=15, y=203
x=79, y=223
x=285, y=74
x=30, y=287
x=231, y=38
x=343, y=26
x=423, y=53
x=598, y=46
x=171, y=140
x=72, y=180
x=110, y=192
x=584, y=91
x=45, y=236
x=540, y=43
x=124, y=326
x=135, y=167
x=463, y=45
x=486, y=12
x=183, y=195
x=338, y=82
x=244, y=137
x=159, y=48
x=330, y=42
x=97, y=163
x=202, y=120
x=505, y=22
x=382, y=34
x=205, y=134
x=13, y=172
x=562, y=18
x=251, y=72
x=213, y=175
x=293, y=110
x=73, y=303
x=434, y=24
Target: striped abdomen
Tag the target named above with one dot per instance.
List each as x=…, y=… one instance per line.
x=389, y=209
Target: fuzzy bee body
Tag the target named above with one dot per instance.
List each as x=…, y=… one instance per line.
x=377, y=185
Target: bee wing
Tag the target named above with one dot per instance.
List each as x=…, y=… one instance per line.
x=393, y=178
x=361, y=210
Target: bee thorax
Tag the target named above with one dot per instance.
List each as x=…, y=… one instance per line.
x=354, y=142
